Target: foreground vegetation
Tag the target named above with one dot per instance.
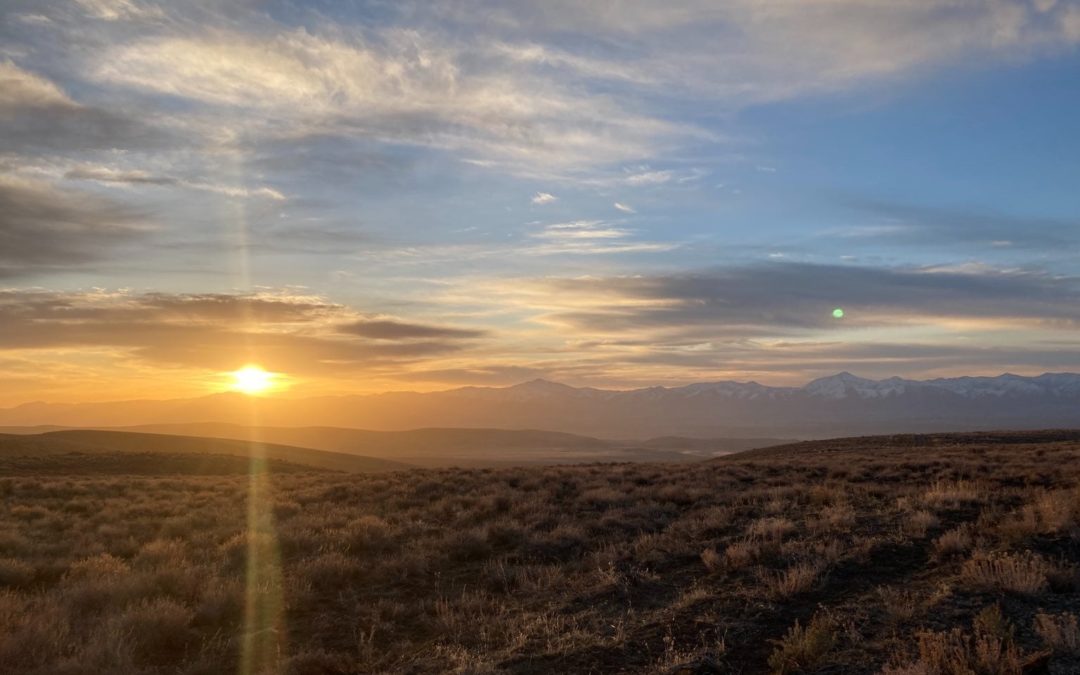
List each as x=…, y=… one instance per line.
x=903, y=555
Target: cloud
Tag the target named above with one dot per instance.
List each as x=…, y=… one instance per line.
x=101, y=174
x=649, y=177
x=776, y=50
x=581, y=229
x=292, y=333
x=36, y=115
x=791, y=298
x=22, y=89
x=386, y=329
x=110, y=176
x=543, y=198
x=116, y=10
x=916, y=225
x=44, y=229
x=388, y=85
x=590, y=237
x=478, y=375
x=624, y=208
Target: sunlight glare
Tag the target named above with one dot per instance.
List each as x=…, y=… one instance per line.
x=252, y=380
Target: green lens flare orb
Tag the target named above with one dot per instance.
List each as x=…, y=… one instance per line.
x=838, y=313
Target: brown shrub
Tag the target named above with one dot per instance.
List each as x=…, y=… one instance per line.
x=770, y=529
x=15, y=572
x=1059, y=632
x=741, y=553
x=799, y=578
x=917, y=523
x=1055, y=511
x=712, y=560
x=803, y=649
x=1023, y=573
x=156, y=631
x=331, y=571
x=900, y=604
x=953, y=543
x=955, y=652
x=952, y=493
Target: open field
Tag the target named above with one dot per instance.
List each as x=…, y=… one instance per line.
x=900, y=555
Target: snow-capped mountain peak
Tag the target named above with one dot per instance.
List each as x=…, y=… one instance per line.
x=845, y=384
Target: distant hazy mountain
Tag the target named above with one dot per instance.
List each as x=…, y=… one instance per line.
x=836, y=405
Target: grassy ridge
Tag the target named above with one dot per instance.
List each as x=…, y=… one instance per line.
x=111, y=442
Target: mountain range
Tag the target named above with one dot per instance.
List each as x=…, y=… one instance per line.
x=841, y=404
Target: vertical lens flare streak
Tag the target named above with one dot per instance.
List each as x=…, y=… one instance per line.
x=263, y=644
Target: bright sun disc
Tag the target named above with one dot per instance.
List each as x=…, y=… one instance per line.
x=252, y=380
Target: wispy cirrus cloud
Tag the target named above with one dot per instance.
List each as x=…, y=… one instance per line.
x=919, y=225
x=110, y=176
x=591, y=237
x=392, y=85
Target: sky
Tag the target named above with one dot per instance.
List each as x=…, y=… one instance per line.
x=366, y=196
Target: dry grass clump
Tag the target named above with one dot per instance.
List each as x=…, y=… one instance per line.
x=799, y=578
x=712, y=560
x=945, y=493
x=741, y=553
x=155, y=631
x=954, y=542
x=802, y=649
x=1059, y=632
x=14, y=572
x=900, y=604
x=1056, y=511
x=917, y=523
x=989, y=649
x=1024, y=573
x=770, y=529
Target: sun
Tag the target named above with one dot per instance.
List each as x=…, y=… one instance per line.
x=252, y=380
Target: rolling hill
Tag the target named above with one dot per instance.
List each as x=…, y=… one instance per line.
x=96, y=442
x=460, y=447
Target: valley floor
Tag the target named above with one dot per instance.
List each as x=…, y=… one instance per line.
x=892, y=555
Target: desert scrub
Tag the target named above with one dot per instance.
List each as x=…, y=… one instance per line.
x=545, y=569
x=1023, y=573
x=1059, y=632
x=803, y=649
x=713, y=561
x=950, y=494
x=770, y=529
x=917, y=523
x=799, y=578
x=987, y=650
x=741, y=553
x=953, y=543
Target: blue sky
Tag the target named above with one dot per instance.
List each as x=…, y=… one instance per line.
x=365, y=196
